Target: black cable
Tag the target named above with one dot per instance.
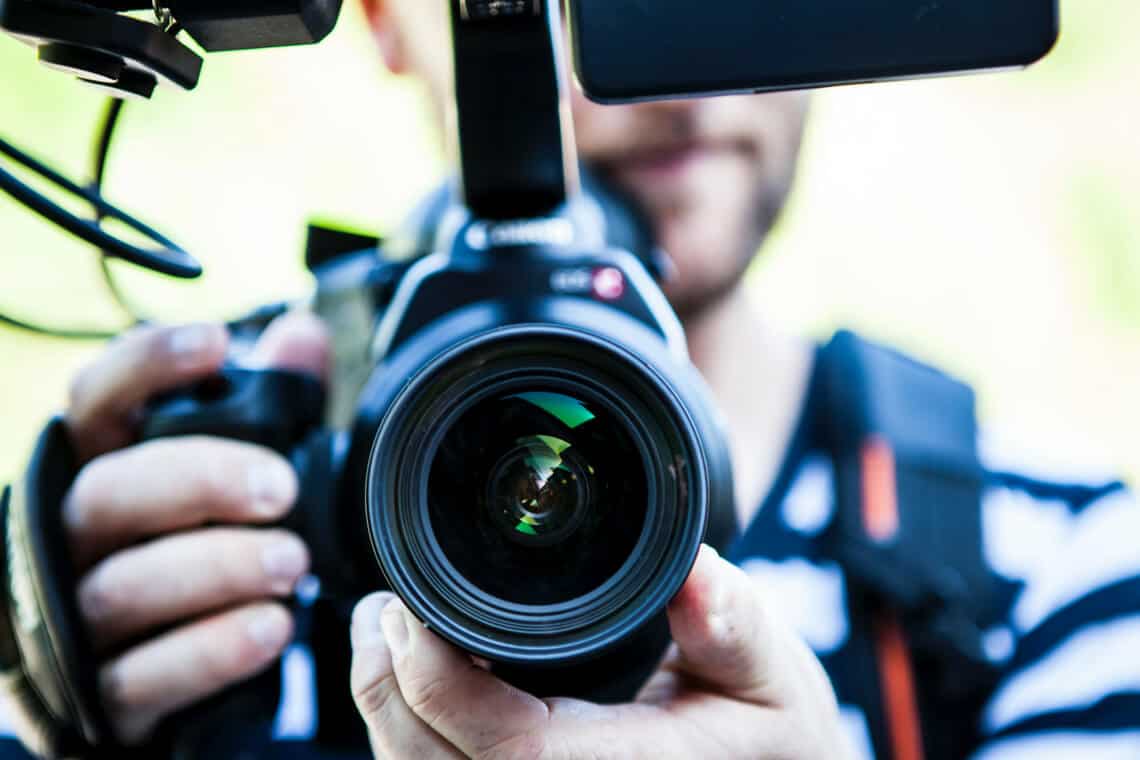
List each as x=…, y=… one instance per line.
x=41, y=205
x=99, y=157
x=168, y=258
x=98, y=170
x=66, y=333
x=103, y=142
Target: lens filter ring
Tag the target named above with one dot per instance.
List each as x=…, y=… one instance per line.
x=419, y=537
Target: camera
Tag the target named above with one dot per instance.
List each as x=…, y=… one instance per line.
x=529, y=461
x=533, y=461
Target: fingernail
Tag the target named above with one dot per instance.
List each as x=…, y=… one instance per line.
x=365, y=631
x=284, y=560
x=719, y=604
x=709, y=552
x=395, y=624
x=191, y=341
x=271, y=488
x=269, y=629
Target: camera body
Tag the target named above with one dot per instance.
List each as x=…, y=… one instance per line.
x=533, y=462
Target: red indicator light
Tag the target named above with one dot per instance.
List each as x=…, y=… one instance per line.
x=609, y=283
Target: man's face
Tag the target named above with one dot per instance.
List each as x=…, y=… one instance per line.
x=712, y=174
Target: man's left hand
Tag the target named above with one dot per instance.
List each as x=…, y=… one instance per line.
x=737, y=684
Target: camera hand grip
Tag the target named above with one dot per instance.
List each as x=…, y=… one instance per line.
x=272, y=408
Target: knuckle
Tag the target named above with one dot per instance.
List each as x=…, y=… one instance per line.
x=374, y=698
x=219, y=477
x=145, y=341
x=259, y=634
x=427, y=697
x=226, y=472
x=222, y=665
x=100, y=598
x=212, y=480
x=131, y=713
x=91, y=488
x=221, y=565
x=119, y=698
x=237, y=560
x=116, y=352
x=77, y=389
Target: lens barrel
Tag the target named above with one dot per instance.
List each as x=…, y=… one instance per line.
x=537, y=494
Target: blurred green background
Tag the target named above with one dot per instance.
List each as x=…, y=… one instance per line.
x=989, y=223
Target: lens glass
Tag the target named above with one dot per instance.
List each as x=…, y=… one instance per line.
x=539, y=496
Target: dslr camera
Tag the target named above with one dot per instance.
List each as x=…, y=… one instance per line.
x=530, y=462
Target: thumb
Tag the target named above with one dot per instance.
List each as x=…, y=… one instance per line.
x=296, y=341
x=725, y=638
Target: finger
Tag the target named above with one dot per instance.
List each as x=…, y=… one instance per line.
x=172, y=484
x=727, y=640
x=394, y=731
x=732, y=666
x=471, y=708
x=186, y=575
x=106, y=395
x=190, y=663
x=298, y=341
x=721, y=630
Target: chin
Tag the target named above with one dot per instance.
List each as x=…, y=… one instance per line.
x=690, y=297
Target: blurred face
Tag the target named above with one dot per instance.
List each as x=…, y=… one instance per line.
x=712, y=174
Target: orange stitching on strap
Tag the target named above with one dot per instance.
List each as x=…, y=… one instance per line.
x=896, y=675
x=896, y=679
x=880, y=493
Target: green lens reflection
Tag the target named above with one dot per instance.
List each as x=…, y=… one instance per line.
x=536, y=496
x=569, y=411
x=538, y=490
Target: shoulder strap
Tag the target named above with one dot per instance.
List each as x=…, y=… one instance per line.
x=908, y=534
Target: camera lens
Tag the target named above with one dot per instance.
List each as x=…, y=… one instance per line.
x=537, y=493
x=537, y=496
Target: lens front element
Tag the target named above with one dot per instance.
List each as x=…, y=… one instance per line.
x=537, y=496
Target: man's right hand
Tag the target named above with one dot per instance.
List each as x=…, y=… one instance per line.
x=180, y=578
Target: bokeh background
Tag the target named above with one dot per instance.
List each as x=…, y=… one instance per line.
x=990, y=224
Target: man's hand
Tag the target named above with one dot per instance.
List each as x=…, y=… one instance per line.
x=178, y=585
x=736, y=685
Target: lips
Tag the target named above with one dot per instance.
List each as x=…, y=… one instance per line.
x=673, y=162
x=662, y=160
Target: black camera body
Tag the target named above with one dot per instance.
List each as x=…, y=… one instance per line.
x=533, y=464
